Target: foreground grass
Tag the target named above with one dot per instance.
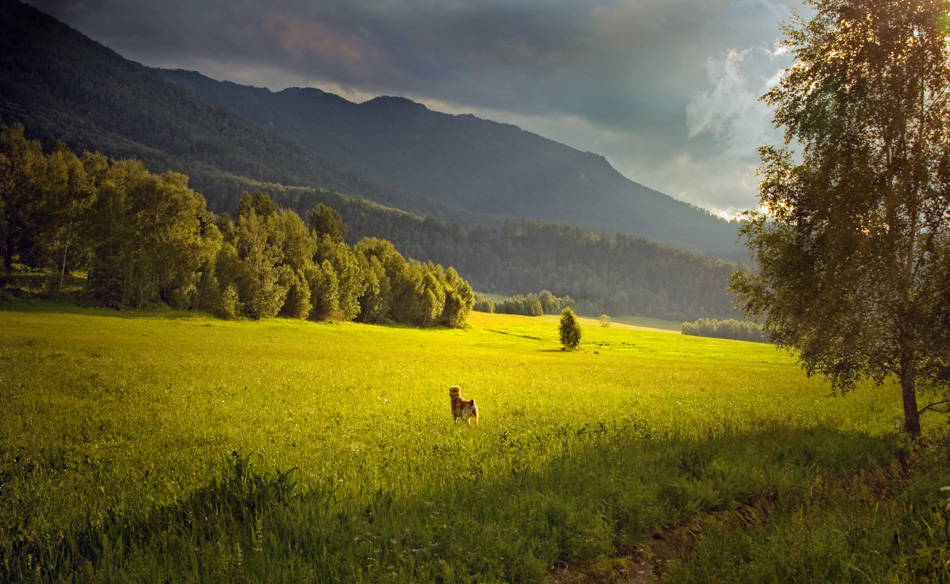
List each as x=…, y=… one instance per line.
x=175, y=447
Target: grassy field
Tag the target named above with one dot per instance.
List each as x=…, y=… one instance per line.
x=163, y=446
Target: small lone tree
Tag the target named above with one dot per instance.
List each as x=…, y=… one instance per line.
x=570, y=330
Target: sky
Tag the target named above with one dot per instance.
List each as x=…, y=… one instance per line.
x=666, y=90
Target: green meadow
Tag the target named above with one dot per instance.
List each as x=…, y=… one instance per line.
x=164, y=446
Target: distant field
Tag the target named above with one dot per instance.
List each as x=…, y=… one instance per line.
x=650, y=323
x=684, y=458
x=630, y=319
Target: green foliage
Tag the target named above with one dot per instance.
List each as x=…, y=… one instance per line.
x=325, y=290
x=327, y=221
x=230, y=307
x=528, y=305
x=594, y=273
x=150, y=240
x=297, y=303
x=259, y=247
x=459, y=298
x=726, y=329
x=612, y=273
x=24, y=200
x=852, y=236
x=569, y=330
x=347, y=272
x=407, y=291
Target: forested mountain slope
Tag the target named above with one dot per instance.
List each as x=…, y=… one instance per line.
x=469, y=162
x=604, y=273
x=63, y=86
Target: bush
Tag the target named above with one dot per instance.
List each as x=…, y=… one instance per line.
x=570, y=329
x=230, y=306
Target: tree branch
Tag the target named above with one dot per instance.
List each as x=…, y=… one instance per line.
x=931, y=406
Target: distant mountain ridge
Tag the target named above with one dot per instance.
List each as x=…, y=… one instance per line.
x=64, y=86
x=390, y=150
x=468, y=162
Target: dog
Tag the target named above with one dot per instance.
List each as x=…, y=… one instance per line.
x=465, y=409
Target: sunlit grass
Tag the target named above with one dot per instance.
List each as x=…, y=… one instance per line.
x=110, y=424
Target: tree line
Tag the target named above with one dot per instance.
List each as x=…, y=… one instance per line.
x=146, y=239
x=601, y=272
x=531, y=304
x=726, y=329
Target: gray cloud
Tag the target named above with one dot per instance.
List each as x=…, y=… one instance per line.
x=664, y=88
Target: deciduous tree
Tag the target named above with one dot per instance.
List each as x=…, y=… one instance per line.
x=570, y=330
x=23, y=180
x=851, y=237
x=260, y=249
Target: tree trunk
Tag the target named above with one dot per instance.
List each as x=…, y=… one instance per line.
x=8, y=259
x=62, y=274
x=908, y=374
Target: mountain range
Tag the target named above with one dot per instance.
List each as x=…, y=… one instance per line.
x=514, y=212
x=468, y=162
x=389, y=150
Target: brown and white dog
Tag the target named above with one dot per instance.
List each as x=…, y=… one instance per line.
x=461, y=408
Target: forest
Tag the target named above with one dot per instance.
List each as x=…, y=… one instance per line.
x=603, y=273
x=145, y=239
x=609, y=273
x=524, y=304
x=726, y=329
x=467, y=162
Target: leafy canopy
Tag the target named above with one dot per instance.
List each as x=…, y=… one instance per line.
x=570, y=330
x=851, y=235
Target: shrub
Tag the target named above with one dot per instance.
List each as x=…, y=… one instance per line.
x=570, y=329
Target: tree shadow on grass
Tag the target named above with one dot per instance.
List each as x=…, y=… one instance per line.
x=612, y=485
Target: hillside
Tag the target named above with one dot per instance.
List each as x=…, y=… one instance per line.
x=468, y=162
x=604, y=273
x=63, y=86
x=89, y=218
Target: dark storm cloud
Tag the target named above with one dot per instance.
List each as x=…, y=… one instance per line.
x=656, y=85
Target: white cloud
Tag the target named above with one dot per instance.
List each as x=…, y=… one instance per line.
x=732, y=111
x=723, y=188
x=726, y=123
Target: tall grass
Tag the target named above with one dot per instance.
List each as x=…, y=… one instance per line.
x=173, y=447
